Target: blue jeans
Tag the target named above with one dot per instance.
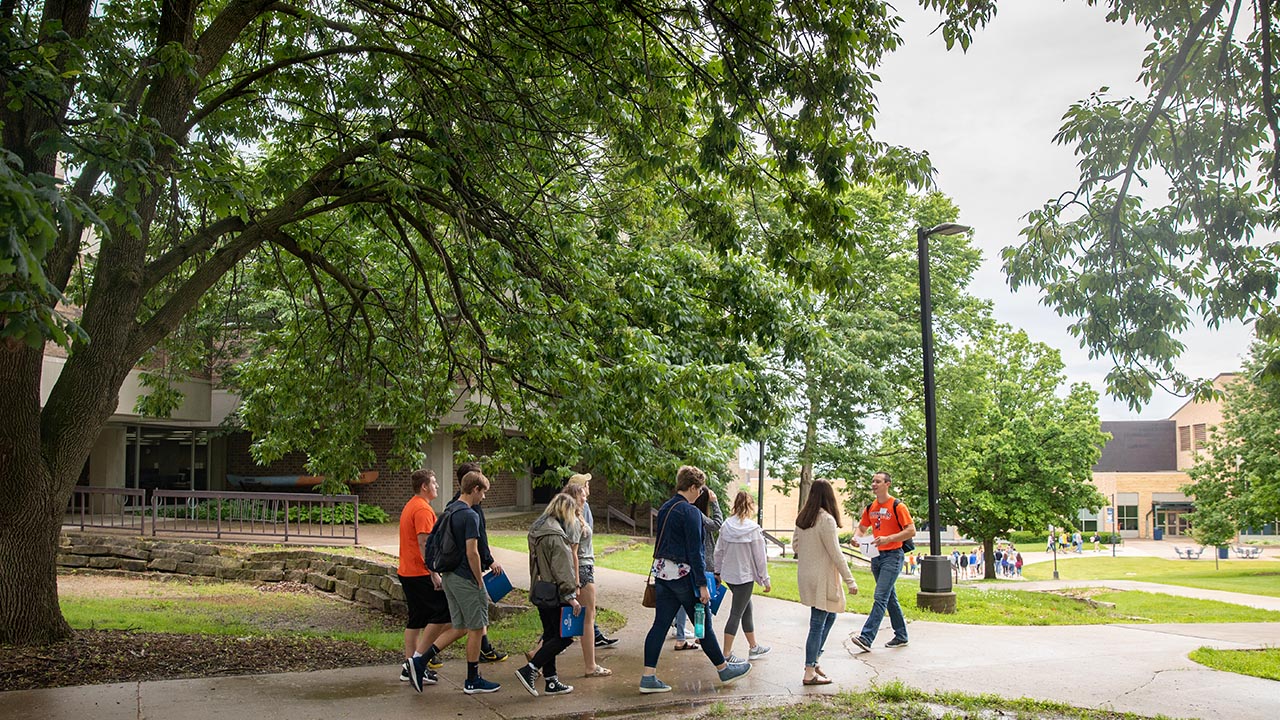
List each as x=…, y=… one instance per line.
x=820, y=622
x=885, y=568
x=672, y=595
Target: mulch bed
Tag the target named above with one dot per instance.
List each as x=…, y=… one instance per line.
x=95, y=657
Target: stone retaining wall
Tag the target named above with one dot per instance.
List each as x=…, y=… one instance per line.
x=368, y=583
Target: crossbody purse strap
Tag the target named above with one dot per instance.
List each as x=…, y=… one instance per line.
x=661, y=532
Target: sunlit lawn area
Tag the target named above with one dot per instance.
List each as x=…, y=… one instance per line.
x=1258, y=663
x=1256, y=577
x=979, y=607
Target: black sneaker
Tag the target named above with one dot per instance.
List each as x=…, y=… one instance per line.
x=480, y=685
x=492, y=656
x=555, y=687
x=896, y=643
x=418, y=673
x=528, y=675
x=405, y=668
x=603, y=642
x=863, y=645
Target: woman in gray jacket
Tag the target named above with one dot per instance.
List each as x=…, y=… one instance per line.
x=551, y=560
x=741, y=563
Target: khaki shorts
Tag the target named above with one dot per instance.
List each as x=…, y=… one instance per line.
x=468, y=603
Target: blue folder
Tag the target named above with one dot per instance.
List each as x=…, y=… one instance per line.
x=570, y=624
x=717, y=592
x=497, y=585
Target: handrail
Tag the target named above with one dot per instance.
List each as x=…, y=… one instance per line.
x=612, y=513
x=776, y=541
x=258, y=514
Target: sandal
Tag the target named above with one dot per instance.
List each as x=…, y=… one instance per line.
x=818, y=680
x=688, y=645
x=600, y=671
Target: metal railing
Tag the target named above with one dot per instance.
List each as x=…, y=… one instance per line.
x=776, y=541
x=256, y=514
x=612, y=513
x=282, y=516
x=107, y=508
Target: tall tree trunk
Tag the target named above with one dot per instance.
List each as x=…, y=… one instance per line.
x=989, y=559
x=31, y=514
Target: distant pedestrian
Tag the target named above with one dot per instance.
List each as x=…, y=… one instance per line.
x=964, y=566
x=889, y=521
x=822, y=574
x=1094, y=540
x=1017, y=564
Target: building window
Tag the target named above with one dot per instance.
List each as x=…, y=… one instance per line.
x=1127, y=517
x=1090, y=525
x=1200, y=435
x=1184, y=438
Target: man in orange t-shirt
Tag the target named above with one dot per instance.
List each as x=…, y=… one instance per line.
x=428, y=609
x=890, y=523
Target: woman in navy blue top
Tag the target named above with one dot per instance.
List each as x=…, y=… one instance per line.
x=680, y=572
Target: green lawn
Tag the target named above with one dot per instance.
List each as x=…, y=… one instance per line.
x=995, y=607
x=1255, y=577
x=228, y=608
x=1258, y=663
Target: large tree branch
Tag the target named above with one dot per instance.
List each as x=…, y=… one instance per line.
x=1173, y=76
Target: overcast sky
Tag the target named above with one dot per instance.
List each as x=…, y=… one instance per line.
x=987, y=119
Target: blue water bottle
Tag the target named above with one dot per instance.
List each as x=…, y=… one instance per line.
x=700, y=621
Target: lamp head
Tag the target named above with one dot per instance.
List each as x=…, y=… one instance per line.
x=947, y=229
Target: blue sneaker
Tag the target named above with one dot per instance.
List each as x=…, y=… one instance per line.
x=733, y=671
x=480, y=685
x=651, y=684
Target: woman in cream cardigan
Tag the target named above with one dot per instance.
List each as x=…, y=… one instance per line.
x=822, y=572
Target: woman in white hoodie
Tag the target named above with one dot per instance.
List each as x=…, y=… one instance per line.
x=740, y=560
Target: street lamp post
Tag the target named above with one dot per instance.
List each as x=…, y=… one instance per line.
x=935, y=571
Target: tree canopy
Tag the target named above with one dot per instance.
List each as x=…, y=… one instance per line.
x=532, y=210
x=852, y=354
x=1133, y=269
x=1236, y=481
x=1012, y=453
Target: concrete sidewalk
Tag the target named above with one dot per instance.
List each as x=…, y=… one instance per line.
x=1136, y=668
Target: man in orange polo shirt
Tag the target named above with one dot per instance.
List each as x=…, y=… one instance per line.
x=890, y=523
x=428, y=609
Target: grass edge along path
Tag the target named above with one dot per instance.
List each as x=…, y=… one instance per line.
x=1252, y=577
x=897, y=700
x=1263, y=663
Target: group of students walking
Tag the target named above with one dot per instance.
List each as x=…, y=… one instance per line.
x=688, y=564
x=446, y=606
x=681, y=583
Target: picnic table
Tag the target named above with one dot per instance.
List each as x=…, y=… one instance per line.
x=1248, y=553
x=1188, y=553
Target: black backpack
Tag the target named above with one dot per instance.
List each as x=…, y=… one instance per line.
x=908, y=545
x=442, y=553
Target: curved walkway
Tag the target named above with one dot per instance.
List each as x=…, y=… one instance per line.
x=1137, y=668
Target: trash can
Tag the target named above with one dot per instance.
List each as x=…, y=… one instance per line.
x=1222, y=553
x=1158, y=533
